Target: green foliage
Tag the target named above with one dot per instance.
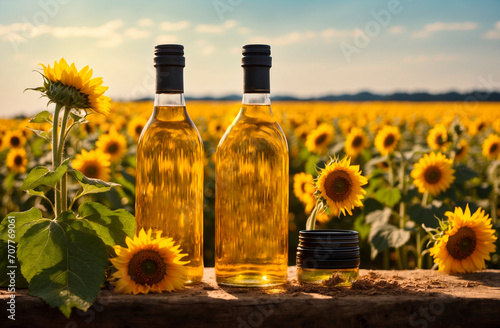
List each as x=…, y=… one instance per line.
x=64, y=262
x=385, y=235
x=428, y=215
x=42, y=117
x=10, y=260
x=43, y=176
x=111, y=226
x=388, y=196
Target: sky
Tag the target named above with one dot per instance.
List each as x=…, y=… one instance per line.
x=318, y=47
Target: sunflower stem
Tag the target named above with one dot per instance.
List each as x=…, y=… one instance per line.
x=419, y=249
x=424, y=199
x=62, y=140
x=494, y=209
x=386, y=259
x=311, y=221
x=402, y=206
x=55, y=159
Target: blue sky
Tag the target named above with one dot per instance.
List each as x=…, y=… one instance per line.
x=318, y=47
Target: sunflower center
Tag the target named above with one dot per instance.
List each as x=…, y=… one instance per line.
x=112, y=148
x=460, y=150
x=440, y=140
x=480, y=126
x=138, y=129
x=303, y=187
x=147, y=267
x=15, y=141
x=432, y=175
x=88, y=128
x=356, y=142
x=18, y=160
x=493, y=148
x=91, y=171
x=389, y=140
x=338, y=186
x=462, y=244
x=320, y=139
x=218, y=128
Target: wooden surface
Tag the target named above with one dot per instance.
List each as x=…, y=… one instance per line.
x=417, y=298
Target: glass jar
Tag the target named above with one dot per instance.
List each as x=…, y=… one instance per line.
x=324, y=253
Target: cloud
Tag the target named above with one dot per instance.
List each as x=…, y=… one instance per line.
x=284, y=40
x=440, y=26
x=207, y=50
x=493, y=34
x=135, y=33
x=429, y=59
x=397, y=29
x=332, y=33
x=107, y=33
x=244, y=30
x=216, y=29
x=174, y=26
x=145, y=22
x=164, y=39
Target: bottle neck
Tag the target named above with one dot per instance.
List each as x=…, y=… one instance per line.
x=170, y=107
x=169, y=100
x=257, y=105
x=263, y=99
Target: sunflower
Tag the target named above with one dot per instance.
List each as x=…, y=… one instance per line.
x=438, y=138
x=356, y=141
x=67, y=86
x=433, y=173
x=466, y=243
x=387, y=139
x=148, y=265
x=303, y=186
x=476, y=126
x=462, y=150
x=135, y=126
x=216, y=129
x=339, y=183
x=491, y=146
x=16, y=160
x=319, y=139
x=302, y=131
x=93, y=164
x=113, y=144
x=14, y=139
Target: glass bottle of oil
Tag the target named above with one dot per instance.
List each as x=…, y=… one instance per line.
x=169, y=187
x=251, y=199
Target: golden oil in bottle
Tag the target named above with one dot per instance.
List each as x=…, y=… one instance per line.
x=251, y=207
x=169, y=186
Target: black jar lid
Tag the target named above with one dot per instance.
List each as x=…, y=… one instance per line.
x=328, y=249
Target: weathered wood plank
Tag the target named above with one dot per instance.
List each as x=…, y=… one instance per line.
x=418, y=298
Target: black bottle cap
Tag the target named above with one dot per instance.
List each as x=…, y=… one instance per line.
x=169, y=62
x=256, y=63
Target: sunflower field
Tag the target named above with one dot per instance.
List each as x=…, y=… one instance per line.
x=421, y=161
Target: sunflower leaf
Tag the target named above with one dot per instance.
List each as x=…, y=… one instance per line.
x=388, y=196
x=385, y=235
x=42, y=117
x=427, y=215
x=43, y=134
x=8, y=263
x=22, y=221
x=111, y=226
x=464, y=173
x=64, y=262
x=83, y=180
x=41, y=175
